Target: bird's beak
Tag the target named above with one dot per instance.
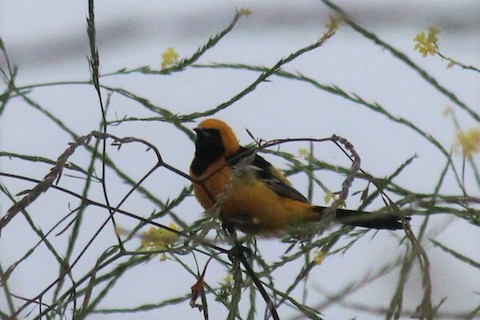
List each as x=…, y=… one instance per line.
x=200, y=132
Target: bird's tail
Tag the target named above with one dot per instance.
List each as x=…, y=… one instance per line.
x=387, y=221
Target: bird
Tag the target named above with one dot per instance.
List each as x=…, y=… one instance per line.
x=252, y=195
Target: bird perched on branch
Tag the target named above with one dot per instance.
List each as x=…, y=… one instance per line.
x=251, y=194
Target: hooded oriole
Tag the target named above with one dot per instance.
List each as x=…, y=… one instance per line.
x=258, y=198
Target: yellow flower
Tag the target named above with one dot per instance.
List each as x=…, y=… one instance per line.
x=304, y=152
x=245, y=12
x=427, y=44
x=469, y=142
x=329, y=197
x=169, y=58
x=333, y=23
x=156, y=239
x=228, y=279
x=319, y=257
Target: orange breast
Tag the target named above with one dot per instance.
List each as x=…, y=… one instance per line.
x=215, y=184
x=250, y=206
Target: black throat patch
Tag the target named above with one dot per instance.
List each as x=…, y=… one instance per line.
x=208, y=148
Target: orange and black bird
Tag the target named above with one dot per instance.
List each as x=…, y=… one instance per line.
x=254, y=196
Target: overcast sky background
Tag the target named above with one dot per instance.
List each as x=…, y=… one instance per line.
x=49, y=43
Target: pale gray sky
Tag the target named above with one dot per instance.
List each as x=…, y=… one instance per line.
x=49, y=44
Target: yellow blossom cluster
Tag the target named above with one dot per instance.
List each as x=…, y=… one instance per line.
x=169, y=58
x=157, y=239
x=469, y=141
x=427, y=44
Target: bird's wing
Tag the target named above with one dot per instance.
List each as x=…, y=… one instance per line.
x=270, y=175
